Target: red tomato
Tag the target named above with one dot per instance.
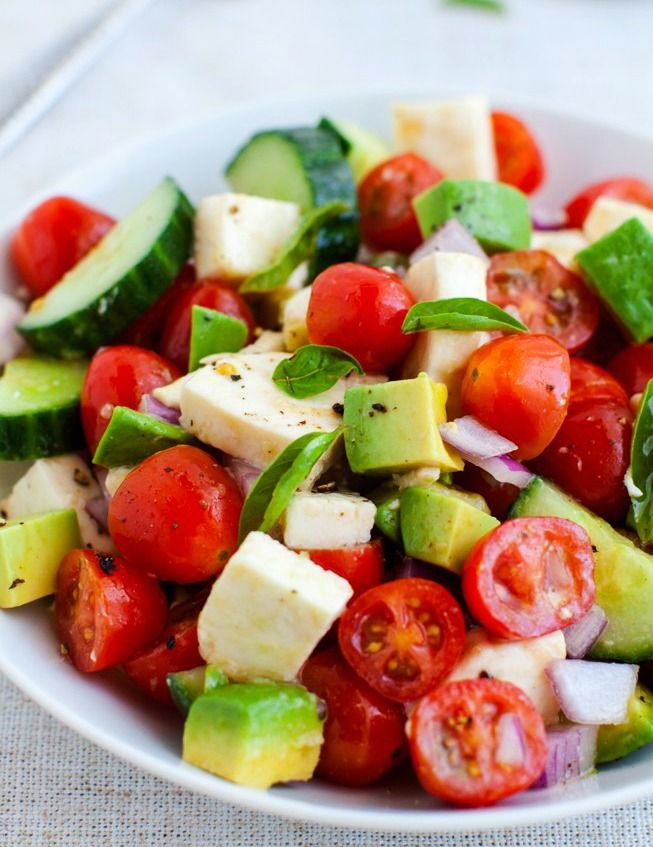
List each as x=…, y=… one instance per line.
x=606, y=342
x=590, y=381
x=364, y=733
x=519, y=385
x=465, y=741
x=53, y=238
x=105, y=610
x=119, y=376
x=498, y=495
x=361, y=565
x=176, y=515
x=550, y=299
x=630, y=189
x=518, y=156
x=146, y=330
x=210, y=293
x=633, y=367
x=403, y=637
x=385, y=200
x=530, y=576
x=361, y=310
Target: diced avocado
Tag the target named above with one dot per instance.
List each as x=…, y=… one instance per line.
x=255, y=733
x=185, y=687
x=393, y=427
x=214, y=678
x=617, y=741
x=364, y=150
x=132, y=437
x=386, y=520
x=439, y=527
x=31, y=550
x=497, y=215
x=623, y=573
x=214, y=332
x=619, y=267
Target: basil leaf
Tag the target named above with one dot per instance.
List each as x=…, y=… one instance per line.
x=214, y=332
x=296, y=250
x=466, y=314
x=313, y=369
x=272, y=492
x=641, y=467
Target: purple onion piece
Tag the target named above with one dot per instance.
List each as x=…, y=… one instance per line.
x=581, y=636
x=592, y=692
x=410, y=567
x=546, y=220
x=149, y=405
x=451, y=237
x=98, y=509
x=511, y=744
x=502, y=468
x=471, y=437
x=571, y=754
x=11, y=311
x=244, y=474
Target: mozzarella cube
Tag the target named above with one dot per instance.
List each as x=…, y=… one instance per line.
x=562, y=244
x=237, y=235
x=455, y=135
x=294, y=317
x=328, y=521
x=170, y=395
x=116, y=477
x=607, y=214
x=267, y=342
x=268, y=610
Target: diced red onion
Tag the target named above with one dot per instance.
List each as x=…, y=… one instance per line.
x=592, y=692
x=511, y=745
x=546, y=220
x=149, y=405
x=98, y=509
x=410, y=567
x=502, y=468
x=244, y=474
x=471, y=437
x=451, y=237
x=11, y=311
x=581, y=636
x=571, y=754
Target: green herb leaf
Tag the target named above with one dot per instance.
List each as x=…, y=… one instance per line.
x=490, y=5
x=274, y=489
x=466, y=314
x=313, y=369
x=641, y=467
x=214, y=332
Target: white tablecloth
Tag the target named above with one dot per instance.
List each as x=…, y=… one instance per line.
x=185, y=58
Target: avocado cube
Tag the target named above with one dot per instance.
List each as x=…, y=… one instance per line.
x=214, y=332
x=255, y=734
x=497, y=215
x=617, y=741
x=133, y=436
x=185, y=687
x=439, y=527
x=393, y=427
x=31, y=550
x=619, y=268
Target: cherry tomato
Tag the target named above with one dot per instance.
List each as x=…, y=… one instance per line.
x=606, y=342
x=146, y=330
x=364, y=733
x=630, y=189
x=210, y=293
x=530, y=576
x=385, y=200
x=633, y=367
x=361, y=565
x=119, y=376
x=176, y=515
x=498, y=495
x=519, y=386
x=590, y=381
x=53, y=238
x=518, y=156
x=550, y=299
x=403, y=637
x=105, y=610
x=361, y=310
x=477, y=741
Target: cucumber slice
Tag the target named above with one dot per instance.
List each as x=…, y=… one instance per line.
x=117, y=281
x=132, y=437
x=39, y=408
x=214, y=332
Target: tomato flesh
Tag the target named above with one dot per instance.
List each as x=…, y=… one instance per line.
x=633, y=367
x=519, y=159
x=361, y=565
x=630, y=189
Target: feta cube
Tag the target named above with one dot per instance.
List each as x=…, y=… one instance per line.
x=328, y=521
x=562, y=244
x=607, y=214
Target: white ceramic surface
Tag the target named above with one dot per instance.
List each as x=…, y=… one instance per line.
x=102, y=709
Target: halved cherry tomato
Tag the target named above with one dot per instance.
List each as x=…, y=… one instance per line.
x=364, y=733
x=105, y=610
x=385, y=200
x=119, y=376
x=53, y=238
x=633, y=367
x=477, y=741
x=518, y=156
x=210, y=293
x=519, y=386
x=590, y=381
x=630, y=189
x=176, y=515
x=146, y=330
x=550, y=299
x=498, y=495
x=530, y=576
x=361, y=310
x=606, y=342
x=403, y=637
x=361, y=565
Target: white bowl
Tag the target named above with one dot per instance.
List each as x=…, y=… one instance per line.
x=102, y=709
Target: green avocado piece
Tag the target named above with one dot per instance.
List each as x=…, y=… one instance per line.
x=31, y=550
x=255, y=734
x=615, y=742
x=623, y=573
x=393, y=427
x=132, y=436
x=439, y=527
x=619, y=267
x=214, y=678
x=185, y=687
x=386, y=520
x=214, y=332
x=497, y=215
x=363, y=149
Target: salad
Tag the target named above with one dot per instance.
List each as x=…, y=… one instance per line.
x=351, y=463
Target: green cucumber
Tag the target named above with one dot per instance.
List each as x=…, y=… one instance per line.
x=39, y=408
x=117, y=281
x=364, y=150
x=214, y=332
x=132, y=436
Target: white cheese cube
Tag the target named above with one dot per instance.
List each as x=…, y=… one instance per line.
x=170, y=395
x=328, y=521
x=237, y=235
x=267, y=342
x=294, y=315
x=562, y=244
x=116, y=477
x=420, y=477
x=268, y=610
x=607, y=214
x=455, y=135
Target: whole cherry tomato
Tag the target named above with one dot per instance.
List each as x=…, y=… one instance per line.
x=519, y=386
x=361, y=310
x=105, y=610
x=518, y=156
x=146, y=330
x=176, y=515
x=361, y=565
x=590, y=381
x=630, y=189
x=633, y=367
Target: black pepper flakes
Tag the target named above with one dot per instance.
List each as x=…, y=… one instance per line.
x=174, y=525
x=167, y=469
x=379, y=407
x=16, y=583
x=235, y=377
x=81, y=478
x=474, y=375
x=106, y=563
x=550, y=387
x=338, y=408
x=223, y=555
x=171, y=643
